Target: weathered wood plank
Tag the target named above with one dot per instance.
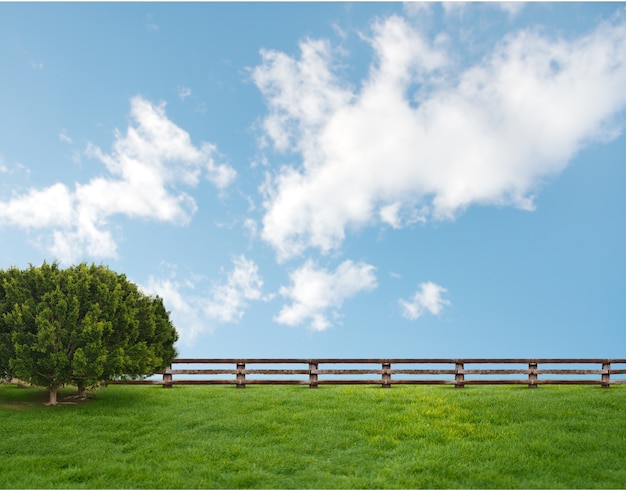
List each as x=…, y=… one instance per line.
x=396, y=361
x=277, y=381
x=349, y=381
x=494, y=371
x=423, y=371
x=235, y=382
x=237, y=361
x=201, y=371
x=571, y=371
x=204, y=382
x=348, y=371
x=495, y=381
x=381, y=361
x=569, y=382
x=391, y=382
x=135, y=382
x=421, y=381
x=276, y=371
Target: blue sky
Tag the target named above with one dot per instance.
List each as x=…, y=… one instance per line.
x=329, y=179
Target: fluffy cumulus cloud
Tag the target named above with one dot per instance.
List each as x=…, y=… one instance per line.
x=316, y=292
x=428, y=298
x=196, y=312
x=423, y=138
x=146, y=169
x=52, y=206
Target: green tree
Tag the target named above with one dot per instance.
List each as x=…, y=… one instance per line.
x=80, y=325
x=6, y=346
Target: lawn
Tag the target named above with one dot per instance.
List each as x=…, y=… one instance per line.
x=332, y=437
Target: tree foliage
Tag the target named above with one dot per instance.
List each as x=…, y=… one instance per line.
x=80, y=326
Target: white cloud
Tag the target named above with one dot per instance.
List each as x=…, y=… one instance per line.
x=418, y=9
x=389, y=215
x=184, y=92
x=64, y=137
x=511, y=8
x=427, y=298
x=455, y=8
x=425, y=138
x=228, y=301
x=303, y=94
x=220, y=175
x=50, y=207
x=314, y=291
x=398, y=215
x=146, y=168
x=251, y=227
x=186, y=307
x=151, y=24
x=195, y=313
x=16, y=168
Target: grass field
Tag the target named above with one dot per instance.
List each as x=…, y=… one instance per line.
x=332, y=437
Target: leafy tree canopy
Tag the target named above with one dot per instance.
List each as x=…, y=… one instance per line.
x=80, y=325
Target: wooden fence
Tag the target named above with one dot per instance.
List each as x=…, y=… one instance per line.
x=387, y=372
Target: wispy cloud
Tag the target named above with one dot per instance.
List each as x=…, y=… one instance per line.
x=146, y=168
x=418, y=9
x=511, y=8
x=428, y=298
x=423, y=137
x=183, y=93
x=185, y=306
x=196, y=312
x=64, y=137
x=151, y=24
x=228, y=301
x=14, y=168
x=455, y=8
x=316, y=292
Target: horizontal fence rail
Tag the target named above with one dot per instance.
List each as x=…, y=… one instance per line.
x=388, y=372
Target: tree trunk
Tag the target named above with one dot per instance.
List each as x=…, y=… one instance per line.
x=53, y=396
x=82, y=391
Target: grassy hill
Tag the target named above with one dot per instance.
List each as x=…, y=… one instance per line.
x=332, y=437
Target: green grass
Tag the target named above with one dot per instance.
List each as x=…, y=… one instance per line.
x=332, y=437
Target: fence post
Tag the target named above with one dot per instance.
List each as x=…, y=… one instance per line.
x=459, y=377
x=241, y=375
x=386, y=374
x=167, y=377
x=312, y=374
x=532, y=375
x=606, y=374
